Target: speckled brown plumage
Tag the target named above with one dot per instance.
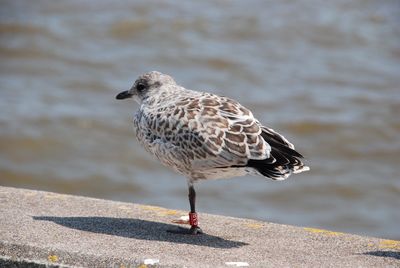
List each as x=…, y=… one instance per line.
x=206, y=136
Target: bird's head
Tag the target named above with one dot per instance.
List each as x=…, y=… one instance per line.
x=146, y=86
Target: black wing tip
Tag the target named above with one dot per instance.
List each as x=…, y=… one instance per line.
x=282, y=162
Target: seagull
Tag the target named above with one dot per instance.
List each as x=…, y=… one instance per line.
x=204, y=136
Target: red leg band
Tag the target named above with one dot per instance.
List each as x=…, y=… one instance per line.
x=193, y=220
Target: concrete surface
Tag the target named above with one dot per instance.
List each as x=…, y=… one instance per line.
x=39, y=229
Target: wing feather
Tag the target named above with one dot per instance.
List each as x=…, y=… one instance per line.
x=230, y=132
x=209, y=134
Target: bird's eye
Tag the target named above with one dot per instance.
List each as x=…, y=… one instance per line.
x=140, y=87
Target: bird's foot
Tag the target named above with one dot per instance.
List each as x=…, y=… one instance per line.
x=182, y=220
x=192, y=219
x=194, y=230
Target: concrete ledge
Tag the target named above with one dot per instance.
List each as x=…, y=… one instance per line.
x=43, y=229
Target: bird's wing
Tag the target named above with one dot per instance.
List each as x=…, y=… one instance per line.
x=214, y=131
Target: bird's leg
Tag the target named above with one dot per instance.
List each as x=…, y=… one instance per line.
x=193, y=219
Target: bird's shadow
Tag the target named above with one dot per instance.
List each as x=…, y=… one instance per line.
x=383, y=253
x=139, y=229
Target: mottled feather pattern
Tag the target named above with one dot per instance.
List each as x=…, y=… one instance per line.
x=206, y=136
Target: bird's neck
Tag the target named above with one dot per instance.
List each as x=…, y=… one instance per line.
x=163, y=97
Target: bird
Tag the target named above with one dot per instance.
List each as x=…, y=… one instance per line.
x=204, y=136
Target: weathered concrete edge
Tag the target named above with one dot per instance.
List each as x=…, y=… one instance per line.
x=22, y=262
x=34, y=257
x=22, y=255
x=38, y=256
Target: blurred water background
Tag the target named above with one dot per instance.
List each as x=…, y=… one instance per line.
x=326, y=74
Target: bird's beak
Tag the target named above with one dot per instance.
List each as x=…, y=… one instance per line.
x=124, y=95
